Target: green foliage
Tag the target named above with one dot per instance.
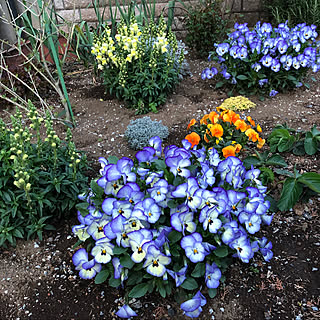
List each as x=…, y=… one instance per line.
x=140, y=131
x=47, y=36
x=138, y=65
x=284, y=139
x=205, y=26
x=39, y=178
x=295, y=186
x=295, y=11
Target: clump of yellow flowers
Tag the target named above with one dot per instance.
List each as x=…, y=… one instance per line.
x=238, y=103
x=138, y=63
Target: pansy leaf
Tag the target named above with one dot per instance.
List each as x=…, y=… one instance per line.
x=174, y=236
x=134, y=278
x=199, y=270
x=251, y=160
x=77, y=244
x=96, y=188
x=83, y=208
x=311, y=180
x=219, y=84
x=276, y=160
x=290, y=194
x=113, y=159
x=310, y=144
x=119, y=250
x=189, y=284
x=177, y=181
x=160, y=164
x=212, y=293
x=221, y=251
x=172, y=204
x=115, y=283
x=242, y=77
x=102, y=276
x=139, y=290
x=126, y=261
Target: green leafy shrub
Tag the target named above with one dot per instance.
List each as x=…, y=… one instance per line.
x=39, y=178
x=205, y=26
x=295, y=11
x=284, y=139
x=138, y=65
x=140, y=131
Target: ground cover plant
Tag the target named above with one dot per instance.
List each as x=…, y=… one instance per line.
x=139, y=64
x=266, y=60
x=40, y=177
x=170, y=224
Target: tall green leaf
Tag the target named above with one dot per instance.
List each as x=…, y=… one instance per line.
x=311, y=180
x=290, y=194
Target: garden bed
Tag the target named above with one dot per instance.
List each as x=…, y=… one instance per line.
x=38, y=280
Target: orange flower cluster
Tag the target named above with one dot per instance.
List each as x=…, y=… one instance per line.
x=220, y=127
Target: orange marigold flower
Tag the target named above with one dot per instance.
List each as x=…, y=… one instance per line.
x=238, y=147
x=251, y=121
x=216, y=130
x=229, y=151
x=204, y=119
x=213, y=117
x=259, y=128
x=191, y=123
x=230, y=116
x=193, y=138
x=252, y=135
x=241, y=124
x=261, y=142
x=206, y=138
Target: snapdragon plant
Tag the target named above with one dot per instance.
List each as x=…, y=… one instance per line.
x=265, y=60
x=169, y=221
x=139, y=64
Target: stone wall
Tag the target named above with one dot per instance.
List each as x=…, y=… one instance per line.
x=238, y=10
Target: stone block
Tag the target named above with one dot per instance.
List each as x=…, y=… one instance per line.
x=251, y=5
x=68, y=15
x=231, y=5
x=58, y=4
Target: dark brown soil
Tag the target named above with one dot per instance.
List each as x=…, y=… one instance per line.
x=38, y=280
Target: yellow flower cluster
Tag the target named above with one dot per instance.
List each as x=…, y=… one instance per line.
x=237, y=103
x=128, y=45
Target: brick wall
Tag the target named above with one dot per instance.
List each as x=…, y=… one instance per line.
x=239, y=10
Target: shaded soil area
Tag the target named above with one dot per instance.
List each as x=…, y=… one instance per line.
x=38, y=280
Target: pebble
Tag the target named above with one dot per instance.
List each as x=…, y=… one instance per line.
x=36, y=245
x=315, y=269
x=222, y=309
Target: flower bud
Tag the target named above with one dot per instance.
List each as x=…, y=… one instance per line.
x=53, y=145
x=28, y=187
x=78, y=161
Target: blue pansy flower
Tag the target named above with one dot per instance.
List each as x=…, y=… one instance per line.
x=126, y=312
x=265, y=248
x=243, y=248
x=156, y=144
x=150, y=209
x=222, y=48
x=191, y=191
x=193, y=307
x=137, y=240
x=193, y=247
x=213, y=275
x=156, y=262
x=183, y=222
x=102, y=251
x=179, y=276
x=159, y=190
x=88, y=269
x=178, y=165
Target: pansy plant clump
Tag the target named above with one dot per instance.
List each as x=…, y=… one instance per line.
x=225, y=131
x=265, y=60
x=139, y=64
x=169, y=221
